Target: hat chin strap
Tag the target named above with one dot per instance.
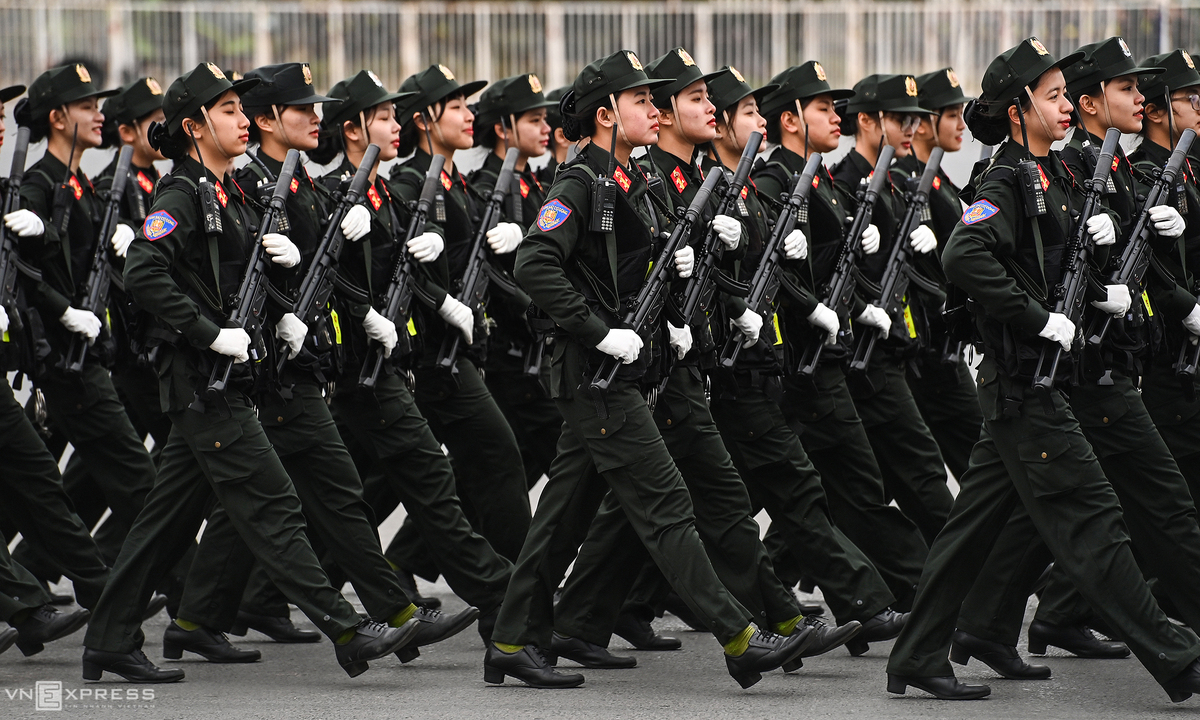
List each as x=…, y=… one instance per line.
x=1038, y=112
x=883, y=135
x=800, y=116
x=620, y=125
x=282, y=129
x=1104, y=96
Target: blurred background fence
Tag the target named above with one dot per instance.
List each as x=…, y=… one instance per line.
x=852, y=38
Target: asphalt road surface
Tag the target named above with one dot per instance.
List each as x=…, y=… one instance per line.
x=303, y=681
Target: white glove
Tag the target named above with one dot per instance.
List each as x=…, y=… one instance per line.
x=923, y=240
x=624, y=345
x=282, y=251
x=1167, y=221
x=291, y=330
x=681, y=339
x=750, y=324
x=1059, y=329
x=234, y=342
x=1102, y=230
x=24, y=223
x=870, y=240
x=505, y=237
x=1118, y=301
x=426, y=247
x=356, y=223
x=825, y=318
x=795, y=246
x=728, y=229
x=458, y=315
x=876, y=317
x=83, y=322
x=122, y=238
x=1192, y=322
x=685, y=261
x=3, y=320
x=381, y=330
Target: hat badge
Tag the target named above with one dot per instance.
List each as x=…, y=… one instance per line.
x=820, y=72
x=633, y=61
x=153, y=86
x=952, y=77
x=685, y=57
x=82, y=72
x=307, y=74
x=910, y=86
x=446, y=71
x=736, y=74
x=535, y=84
x=374, y=78
x=1124, y=47
x=216, y=71
x=1037, y=45
x=1188, y=59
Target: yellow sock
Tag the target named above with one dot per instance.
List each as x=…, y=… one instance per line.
x=508, y=649
x=788, y=626
x=346, y=636
x=738, y=645
x=403, y=616
x=187, y=625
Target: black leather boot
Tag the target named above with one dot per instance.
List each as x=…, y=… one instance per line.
x=45, y=624
x=279, y=629
x=885, y=625
x=212, y=645
x=133, y=666
x=942, y=688
x=1076, y=639
x=527, y=665
x=640, y=634
x=372, y=640
x=434, y=626
x=585, y=653
x=767, y=652
x=1004, y=659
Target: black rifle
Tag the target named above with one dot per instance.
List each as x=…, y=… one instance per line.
x=707, y=276
x=1136, y=257
x=841, y=283
x=95, y=291
x=10, y=260
x=398, y=296
x=252, y=293
x=475, y=278
x=764, y=285
x=319, y=280
x=652, y=295
x=894, y=284
x=1072, y=289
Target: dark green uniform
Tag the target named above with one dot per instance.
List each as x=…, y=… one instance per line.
x=1031, y=452
x=824, y=416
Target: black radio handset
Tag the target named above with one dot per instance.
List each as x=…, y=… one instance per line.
x=1030, y=175
x=439, y=200
x=208, y=194
x=604, y=192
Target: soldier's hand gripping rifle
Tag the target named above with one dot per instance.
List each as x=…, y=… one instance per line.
x=319, y=280
x=95, y=290
x=841, y=283
x=397, y=299
x=1136, y=257
x=652, y=295
x=252, y=294
x=10, y=260
x=764, y=285
x=1072, y=290
x=477, y=274
x=894, y=284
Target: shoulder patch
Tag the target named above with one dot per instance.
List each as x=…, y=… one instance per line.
x=981, y=210
x=552, y=214
x=159, y=224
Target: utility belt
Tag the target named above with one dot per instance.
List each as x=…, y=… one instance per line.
x=732, y=384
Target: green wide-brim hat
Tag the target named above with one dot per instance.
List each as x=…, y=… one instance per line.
x=679, y=69
x=511, y=96
x=1006, y=76
x=886, y=93
x=135, y=101
x=356, y=94
x=11, y=92
x=1179, y=71
x=61, y=85
x=1103, y=61
x=799, y=82
x=727, y=88
x=193, y=90
x=429, y=87
x=940, y=89
x=610, y=75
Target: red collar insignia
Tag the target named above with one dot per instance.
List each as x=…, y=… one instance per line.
x=622, y=179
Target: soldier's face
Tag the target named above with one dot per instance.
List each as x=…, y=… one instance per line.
x=532, y=133
x=301, y=126
x=1125, y=104
x=823, y=124
x=230, y=126
x=639, y=115
x=1187, y=115
x=1050, y=104
x=697, y=120
x=136, y=135
x=84, y=114
x=456, y=123
x=383, y=130
x=950, y=126
x=746, y=120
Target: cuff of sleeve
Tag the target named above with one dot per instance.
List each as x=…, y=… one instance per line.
x=1033, y=319
x=202, y=333
x=56, y=304
x=592, y=332
x=1175, y=305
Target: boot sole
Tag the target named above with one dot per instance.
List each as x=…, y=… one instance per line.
x=897, y=686
x=495, y=676
x=94, y=672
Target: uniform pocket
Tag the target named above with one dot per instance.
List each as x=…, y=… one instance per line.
x=1054, y=462
x=221, y=454
x=604, y=439
x=1102, y=412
